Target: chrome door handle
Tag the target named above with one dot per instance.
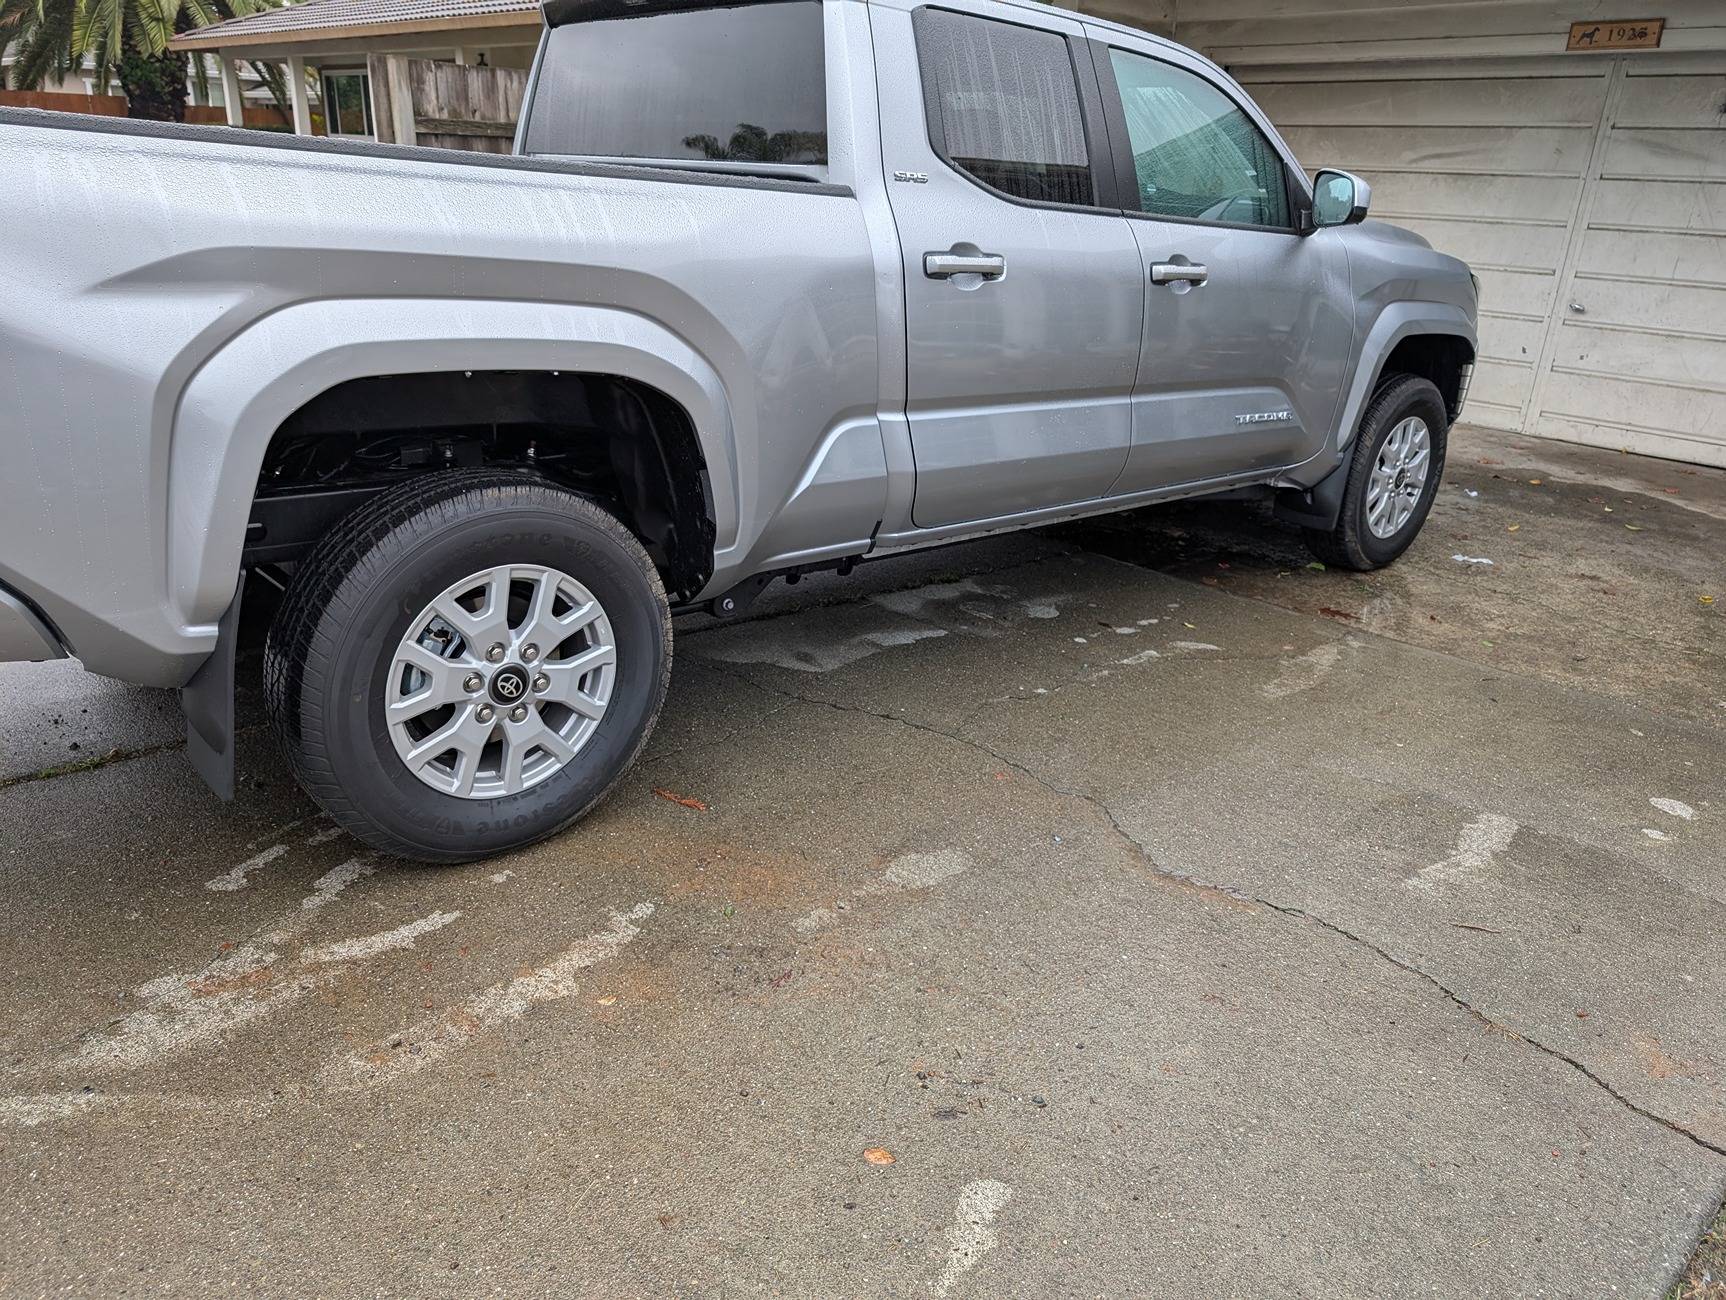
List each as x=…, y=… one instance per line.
x=944, y=266
x=1175, y=272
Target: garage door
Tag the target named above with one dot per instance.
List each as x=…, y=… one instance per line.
x=1638, y=357
x=1594, y=182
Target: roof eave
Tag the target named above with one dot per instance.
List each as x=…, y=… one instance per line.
x=213, y=38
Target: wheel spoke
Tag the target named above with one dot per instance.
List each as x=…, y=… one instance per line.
x=443, y=683
x=565, y=680
x=517, y=740
x=490, y=624
x=464, y=733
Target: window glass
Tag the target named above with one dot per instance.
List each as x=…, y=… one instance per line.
x=745, y=84
x=1196, y=154
x=1008, y=105
x=347, y=104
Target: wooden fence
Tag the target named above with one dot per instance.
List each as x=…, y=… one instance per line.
x=446, y=105
x=115, y=106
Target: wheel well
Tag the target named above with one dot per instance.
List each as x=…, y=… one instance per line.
x=608, y=437
x=1443, y=358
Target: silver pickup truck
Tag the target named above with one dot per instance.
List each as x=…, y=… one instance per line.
x=764, y=288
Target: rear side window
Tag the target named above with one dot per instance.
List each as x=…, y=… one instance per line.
x=738, y=85
x=1196, y=153
x=1003, y=105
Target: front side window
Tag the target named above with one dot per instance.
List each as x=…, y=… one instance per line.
x=1004, y=106
x=1196, y=154
x=737, y=85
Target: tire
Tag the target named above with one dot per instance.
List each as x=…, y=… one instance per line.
x=336, y=651
x=1352, y=543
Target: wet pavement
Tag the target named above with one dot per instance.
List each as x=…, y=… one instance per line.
x=1125, y=909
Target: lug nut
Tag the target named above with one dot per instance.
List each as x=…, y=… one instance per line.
x=530, y=653
x=518, y=713
x=542, y=683
x=495, y=654
x=485, y=713
x=472, y=682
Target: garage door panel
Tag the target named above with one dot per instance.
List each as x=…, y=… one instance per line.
x=1396, y=195
x=1647, y=442
x=1682, y=308
x=1698, y=363
x=1516, y=293
x=1616, y=254
x=1684, y=205
x=1500, y=382
x=1552, y=101
x=1676, y=155
x=1668, y=102
x=1508, y=150
x=1631, y=404
x=1526, y=248
x=1506, y=339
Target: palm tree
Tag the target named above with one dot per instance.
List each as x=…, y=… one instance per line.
x=126, y=41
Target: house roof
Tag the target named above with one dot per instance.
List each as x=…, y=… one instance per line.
x=319, y=20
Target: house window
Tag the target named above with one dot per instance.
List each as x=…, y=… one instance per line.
x=348, y=104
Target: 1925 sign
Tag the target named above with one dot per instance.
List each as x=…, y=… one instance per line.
x=1617, y=34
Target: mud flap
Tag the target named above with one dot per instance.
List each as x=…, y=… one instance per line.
x=208, y=703
x=1317, y=507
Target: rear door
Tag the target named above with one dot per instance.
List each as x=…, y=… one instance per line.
x=1024, y=294
x=1248, y=325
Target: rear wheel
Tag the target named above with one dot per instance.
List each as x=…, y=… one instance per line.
x=468, y=664
x=1393, y=476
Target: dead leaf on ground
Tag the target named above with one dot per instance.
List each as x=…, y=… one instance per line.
x=879, y=1156
x=1328, y=612
x=1514, y=528
x=688, y=801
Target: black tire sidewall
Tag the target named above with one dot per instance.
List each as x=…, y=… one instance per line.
x=1398, y=401
x=390, y=587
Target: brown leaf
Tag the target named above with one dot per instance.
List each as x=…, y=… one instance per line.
x=688, y=801
x=1328, y=612
x=879, y=1156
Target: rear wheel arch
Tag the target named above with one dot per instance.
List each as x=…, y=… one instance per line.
x=609, y=437
x=227, y=416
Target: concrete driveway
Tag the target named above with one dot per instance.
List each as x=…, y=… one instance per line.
x=1123, y=910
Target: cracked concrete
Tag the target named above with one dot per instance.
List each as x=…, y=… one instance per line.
x=1181, y=1013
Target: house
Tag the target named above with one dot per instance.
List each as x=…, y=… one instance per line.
x=358, y=52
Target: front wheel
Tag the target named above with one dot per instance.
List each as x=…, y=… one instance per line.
x=468, y=663
x=1393, y=476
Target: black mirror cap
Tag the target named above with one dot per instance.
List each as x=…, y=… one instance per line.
x=1332, y=189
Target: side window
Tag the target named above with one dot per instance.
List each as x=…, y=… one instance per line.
x=1003, y=104
x=740, y=84
x=1195, y=153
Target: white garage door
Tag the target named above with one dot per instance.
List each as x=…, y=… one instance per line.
x=1587, y=181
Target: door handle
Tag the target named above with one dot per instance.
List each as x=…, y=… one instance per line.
x=944, y=266
x=1176, y=272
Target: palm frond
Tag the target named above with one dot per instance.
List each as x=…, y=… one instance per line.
x=42, y=48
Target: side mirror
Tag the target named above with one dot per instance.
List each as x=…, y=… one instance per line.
x=1339, y=199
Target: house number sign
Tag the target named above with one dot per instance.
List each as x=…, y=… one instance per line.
x=1617, y=34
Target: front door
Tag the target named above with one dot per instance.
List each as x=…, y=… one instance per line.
x=1248, y=325
x=1024, y=295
